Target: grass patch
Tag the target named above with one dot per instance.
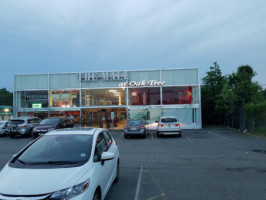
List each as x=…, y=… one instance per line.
x=260, y=132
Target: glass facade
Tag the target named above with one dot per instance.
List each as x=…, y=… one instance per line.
x=32, y=99
x=64, y=98
x=103, y=97
x=144, y=96
x=177, y=95
x=108, y=99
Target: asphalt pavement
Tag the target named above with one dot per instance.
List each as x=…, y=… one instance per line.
x=203, y=164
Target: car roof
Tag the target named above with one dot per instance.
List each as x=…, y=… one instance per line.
x=24, y=118
x=168, y=117
x=85, y=131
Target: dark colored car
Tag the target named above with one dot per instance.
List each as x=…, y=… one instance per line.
x=50, y=124
x=135, y=127
x=22, y=126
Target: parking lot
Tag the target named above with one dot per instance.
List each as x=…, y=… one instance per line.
x=202, y=164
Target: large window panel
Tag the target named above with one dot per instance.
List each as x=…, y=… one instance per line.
x=177, y=95
x=64, y=98
x=32, y=99
x=144, y=96
x=96, y=97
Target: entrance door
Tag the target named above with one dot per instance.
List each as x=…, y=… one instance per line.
x=102, y=118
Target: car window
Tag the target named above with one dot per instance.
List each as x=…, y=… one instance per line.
x=135, y=122
x=69, y=148
x=16, y=122
x=108, y=139
x=30, y=121
x=49, y=121
x=100, y=147
x=168, y=120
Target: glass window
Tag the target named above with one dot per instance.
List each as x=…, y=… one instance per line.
x=32, y=99
x=103, y=97
x=108, y=139
x=70, y=149
x=177, y=95
x=168, y=120
x=64, y=98
x=100, y=147
x=144, y=96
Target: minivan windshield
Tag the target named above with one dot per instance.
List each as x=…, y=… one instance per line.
x=57, y=150
x=49, y=121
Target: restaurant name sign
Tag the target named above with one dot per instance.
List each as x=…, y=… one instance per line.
x=141, y=83
x=95, y=76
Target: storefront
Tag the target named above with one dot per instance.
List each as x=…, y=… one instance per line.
x=108, y=99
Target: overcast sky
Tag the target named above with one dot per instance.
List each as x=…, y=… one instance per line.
x=47, y=36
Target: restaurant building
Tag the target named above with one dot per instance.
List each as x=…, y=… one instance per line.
x=108, y=99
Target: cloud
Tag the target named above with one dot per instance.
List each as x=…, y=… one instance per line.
x=77, y=35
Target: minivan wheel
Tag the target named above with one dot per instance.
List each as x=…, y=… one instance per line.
x=97, y=195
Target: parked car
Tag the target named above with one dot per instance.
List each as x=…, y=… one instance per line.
x=135, y=127
x=71, y=164
x=22, y=126
x=169, y=125
x=3, y=126
x=50, y=124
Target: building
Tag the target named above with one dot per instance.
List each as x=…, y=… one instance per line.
x=108, y=99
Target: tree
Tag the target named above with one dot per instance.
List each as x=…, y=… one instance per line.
x=212, y=86
x=244, y=91
x=6, y=97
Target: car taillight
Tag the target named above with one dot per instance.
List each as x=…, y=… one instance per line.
x=177, y=125
x=141, y=127
x=126, y=127
x=160, y=125
x=23, y=126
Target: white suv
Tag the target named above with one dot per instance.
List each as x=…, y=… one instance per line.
x=169, y=125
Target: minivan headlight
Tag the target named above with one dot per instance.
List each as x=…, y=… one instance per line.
x=70, y=192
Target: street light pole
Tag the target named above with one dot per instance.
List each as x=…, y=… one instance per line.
x=6, y=110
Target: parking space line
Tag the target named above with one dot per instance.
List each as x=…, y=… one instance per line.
x=186, y=136
x=225, y=138
x=138, y=184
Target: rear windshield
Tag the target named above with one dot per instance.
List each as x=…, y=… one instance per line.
x=16, y=122
x=135, y=122
x=168, y=120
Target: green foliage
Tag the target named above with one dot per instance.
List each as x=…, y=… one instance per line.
x=211, y=88
x=234, y=100
x=242, y=86
x=6, y=97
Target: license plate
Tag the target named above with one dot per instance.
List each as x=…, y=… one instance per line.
x=133, y=129
x=169, y=125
